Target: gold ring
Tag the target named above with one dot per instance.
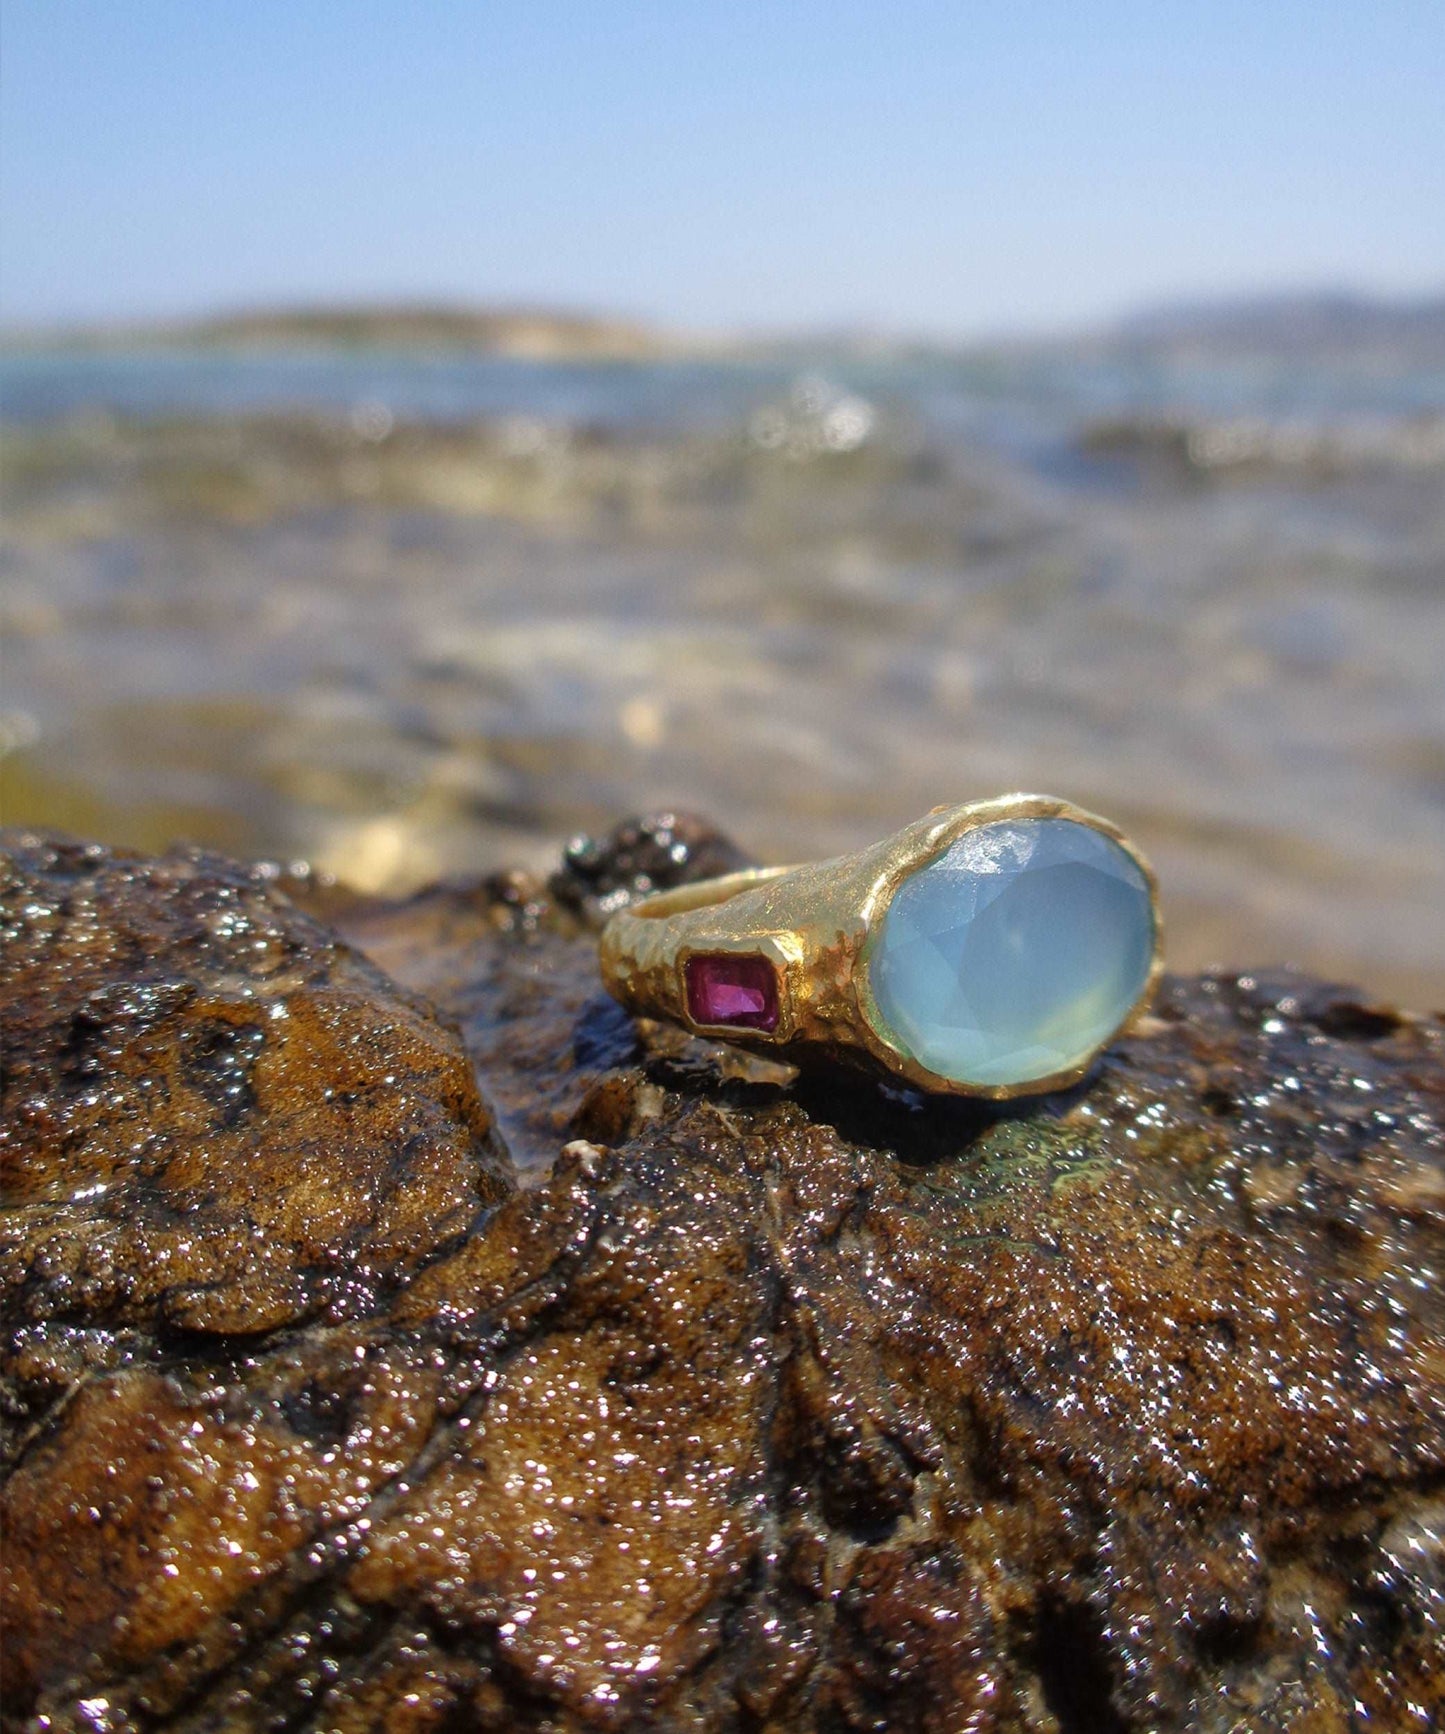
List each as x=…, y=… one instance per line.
x=988, y=950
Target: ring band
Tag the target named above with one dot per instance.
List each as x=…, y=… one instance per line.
x=989, y=950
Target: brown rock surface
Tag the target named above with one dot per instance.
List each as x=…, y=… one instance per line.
x=763, y=1404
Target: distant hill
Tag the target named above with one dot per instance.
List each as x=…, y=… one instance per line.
x=524, y=332
x=1287, y=328
x=1292, y=327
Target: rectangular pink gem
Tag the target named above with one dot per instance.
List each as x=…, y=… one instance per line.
x=729, y=988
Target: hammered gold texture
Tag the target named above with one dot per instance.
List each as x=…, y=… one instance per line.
x=760, y=1403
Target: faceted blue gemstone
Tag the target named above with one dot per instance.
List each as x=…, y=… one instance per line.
x=1015, y=954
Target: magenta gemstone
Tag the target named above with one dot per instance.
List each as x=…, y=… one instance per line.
x=726, y=987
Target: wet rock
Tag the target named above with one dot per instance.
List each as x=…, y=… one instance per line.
x=599, y=875
x=220, y=1121
x=1252, y=448
x=763, y=1403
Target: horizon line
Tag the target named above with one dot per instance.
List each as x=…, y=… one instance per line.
x=666, y=330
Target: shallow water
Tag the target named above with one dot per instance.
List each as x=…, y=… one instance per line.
x=414, y=615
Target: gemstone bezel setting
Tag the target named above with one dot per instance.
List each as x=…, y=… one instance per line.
x=1006, y=964
x=917, y=849
x=779, y=950
x=750, y=980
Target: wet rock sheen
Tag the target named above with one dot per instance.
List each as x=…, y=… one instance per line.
x=652, y=1390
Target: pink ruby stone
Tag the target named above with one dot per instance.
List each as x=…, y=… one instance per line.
x=729, y=988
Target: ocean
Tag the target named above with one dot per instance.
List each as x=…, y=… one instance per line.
x=407, y=614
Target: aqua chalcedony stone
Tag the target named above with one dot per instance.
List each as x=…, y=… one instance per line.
x=1014, y=954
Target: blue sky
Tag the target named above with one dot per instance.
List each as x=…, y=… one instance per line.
x=932, y=167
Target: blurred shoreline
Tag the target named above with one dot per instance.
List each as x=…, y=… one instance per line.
x=409, y=610
x=1405, y=332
